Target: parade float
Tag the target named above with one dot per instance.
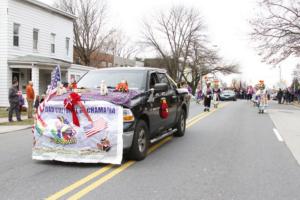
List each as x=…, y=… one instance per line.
x=81, y=125
x=107, y=112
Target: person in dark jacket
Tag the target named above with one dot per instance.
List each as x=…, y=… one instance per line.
x=36, y=103
x=207, y=93
x=279, y=96
x=13, y=98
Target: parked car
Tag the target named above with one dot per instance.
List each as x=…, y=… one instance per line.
x=142, y=123
x=228, y=95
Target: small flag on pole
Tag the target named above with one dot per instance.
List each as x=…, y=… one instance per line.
x=97, y=126
x=55, y=78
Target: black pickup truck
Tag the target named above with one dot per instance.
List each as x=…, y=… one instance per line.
x=143, y=123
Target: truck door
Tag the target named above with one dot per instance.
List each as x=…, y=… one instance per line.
x=155, y=120
x=172, y=100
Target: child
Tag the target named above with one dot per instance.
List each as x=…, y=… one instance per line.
x=21, y=101
x=36, y=103
x=199, y=96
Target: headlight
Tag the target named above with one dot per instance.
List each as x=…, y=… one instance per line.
x=127, y=115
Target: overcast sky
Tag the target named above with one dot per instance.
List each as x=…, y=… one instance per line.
x=227, y=26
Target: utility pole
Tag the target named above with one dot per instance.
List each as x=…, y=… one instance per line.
x=280, y=78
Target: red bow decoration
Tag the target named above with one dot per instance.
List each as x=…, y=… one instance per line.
x=164, y=111
x=71, y=102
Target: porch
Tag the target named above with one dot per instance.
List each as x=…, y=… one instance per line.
x=38, y=70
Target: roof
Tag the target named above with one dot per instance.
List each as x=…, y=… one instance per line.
x=133, y=68
x=31, y=59
x=50, y=8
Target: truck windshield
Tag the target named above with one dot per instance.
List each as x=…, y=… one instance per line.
x=135, y=79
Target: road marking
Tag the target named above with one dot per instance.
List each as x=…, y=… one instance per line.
x=79, y=183
x=118, y=170
x=195, y=117
x=280, y=139
x=200, y=116
x=205, y=115
x=124, y=166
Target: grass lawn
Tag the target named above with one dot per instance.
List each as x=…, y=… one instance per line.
x=4, y=113
x=16, y=123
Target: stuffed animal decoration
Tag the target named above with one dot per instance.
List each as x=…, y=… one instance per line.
x=60, y=89
x=122, y=87
x=103, y=88
x=73, y=84
x=163, y=110
x=104, y=144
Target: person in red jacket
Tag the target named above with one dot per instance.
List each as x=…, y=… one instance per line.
x=30, y=98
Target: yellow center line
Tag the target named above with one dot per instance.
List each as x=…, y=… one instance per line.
x=116, y=171
x=194, y=121
x=79, y=183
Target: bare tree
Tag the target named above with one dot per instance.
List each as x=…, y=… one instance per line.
x=296, y=72
x=170, y=35
x=178, y=36
x=277, y=30
x=203, y=61
x=121, y=45
x=90, y=32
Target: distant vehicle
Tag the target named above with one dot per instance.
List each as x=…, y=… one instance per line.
x=228, y=95
x=274, y=96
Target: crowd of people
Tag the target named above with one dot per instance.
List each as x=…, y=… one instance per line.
x=207, y=94
x=17, y=101
x=287, y=96
x=258, y=94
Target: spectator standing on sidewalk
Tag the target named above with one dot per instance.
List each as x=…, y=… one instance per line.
x=13, y=98
x=279, y=96
x=30, y=98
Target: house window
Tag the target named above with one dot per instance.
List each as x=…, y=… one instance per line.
x=35, y=38
x=67, y=46
x=16, y=34
x=52, y=43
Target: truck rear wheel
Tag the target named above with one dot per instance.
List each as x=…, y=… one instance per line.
x=140, y=143
x=181, y=125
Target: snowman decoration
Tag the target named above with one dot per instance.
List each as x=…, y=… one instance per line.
x=103, y=88
x=60, y=89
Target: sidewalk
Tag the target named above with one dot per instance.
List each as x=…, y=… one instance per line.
x=296, y=104
x=12, y=128
x=7, y=129
x=286, y=120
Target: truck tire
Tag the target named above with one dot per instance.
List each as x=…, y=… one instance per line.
x=140, y=142
x=181, y=124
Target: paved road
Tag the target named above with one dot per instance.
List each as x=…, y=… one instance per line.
x=231, y=153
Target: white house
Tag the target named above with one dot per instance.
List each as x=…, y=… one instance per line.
x=34, y=38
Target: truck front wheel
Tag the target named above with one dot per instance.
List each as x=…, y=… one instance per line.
x=140, y=143
x=181, y=125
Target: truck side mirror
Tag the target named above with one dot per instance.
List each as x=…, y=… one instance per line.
x=161, y=87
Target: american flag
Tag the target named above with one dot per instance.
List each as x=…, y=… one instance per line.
x=55, y=77
x=97, y=126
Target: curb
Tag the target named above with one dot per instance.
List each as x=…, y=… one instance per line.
x=296, y=104
x=20, y=129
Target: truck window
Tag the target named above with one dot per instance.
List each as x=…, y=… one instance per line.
x=153, y=80
x=163, y=79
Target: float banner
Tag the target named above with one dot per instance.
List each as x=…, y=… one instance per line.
x=96, y=141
